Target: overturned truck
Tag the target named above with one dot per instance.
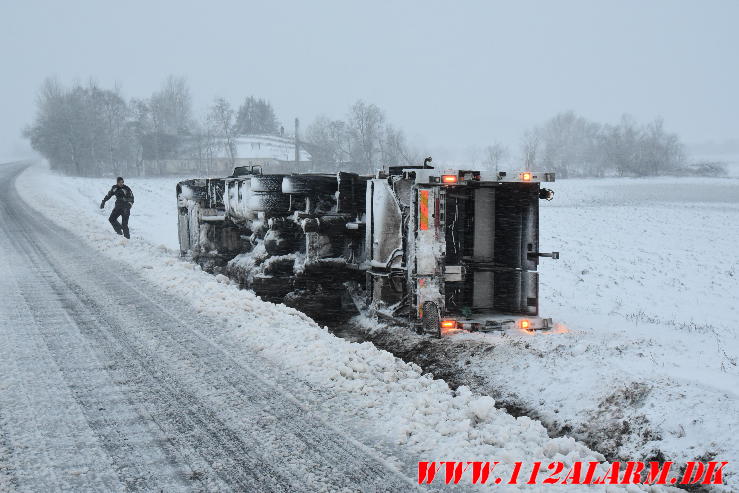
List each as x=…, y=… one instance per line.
x=436, y=251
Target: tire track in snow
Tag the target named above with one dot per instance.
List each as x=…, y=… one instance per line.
x=110, y=414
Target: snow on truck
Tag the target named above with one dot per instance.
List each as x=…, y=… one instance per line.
x=434, y=250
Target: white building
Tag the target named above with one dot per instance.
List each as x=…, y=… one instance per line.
x=273, y=153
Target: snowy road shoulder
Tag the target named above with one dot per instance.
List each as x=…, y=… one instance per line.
x=390, y=397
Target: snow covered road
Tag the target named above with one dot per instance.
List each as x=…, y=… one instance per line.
x=109, y=384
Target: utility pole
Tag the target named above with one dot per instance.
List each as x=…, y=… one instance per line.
x=297, y=141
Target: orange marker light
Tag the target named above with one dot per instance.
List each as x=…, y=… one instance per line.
x=526, y=176
x=423, y=210
x=448, y=324
x=449, y=179
x=525, y=324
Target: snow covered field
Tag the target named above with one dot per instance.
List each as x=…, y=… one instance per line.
x=648, y=286
x=643, y=363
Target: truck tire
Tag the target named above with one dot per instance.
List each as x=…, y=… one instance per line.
x=272, y=289
x=266, y=183
x=309, y=184
x=283, y=242
x=321, y=303
x=272, y=202
x=282, y=267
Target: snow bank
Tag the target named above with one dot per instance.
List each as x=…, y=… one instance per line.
x=393, y=397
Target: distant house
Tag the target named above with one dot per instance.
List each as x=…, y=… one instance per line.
x=266, y=150
x=273, y=153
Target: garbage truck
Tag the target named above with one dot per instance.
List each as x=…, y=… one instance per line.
x=434, y=250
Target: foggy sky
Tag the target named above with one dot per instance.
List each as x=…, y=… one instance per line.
x=451, y=74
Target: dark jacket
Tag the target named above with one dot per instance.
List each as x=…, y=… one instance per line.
x=123, y=196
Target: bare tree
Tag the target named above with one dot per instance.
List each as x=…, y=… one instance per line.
x=81, y=130
x=569, y=145
x=114, y=113
x=530, y=148
x=171, y=107
x=393, y=148
x=493, y=156
x=366, y=123
x=171, y=117
x=329, y=140
x=221, y=122
x=661, y=152
x=256, y=116
x=204, y=147
x=140, y=127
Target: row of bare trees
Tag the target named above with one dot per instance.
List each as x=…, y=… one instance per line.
x=573, y=146
x=93, y=131
x=363, y=142
x=79, y=128
x=89, y=130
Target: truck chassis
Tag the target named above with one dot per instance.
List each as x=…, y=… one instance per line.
x=436, y=251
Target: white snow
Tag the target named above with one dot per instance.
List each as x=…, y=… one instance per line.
x=564, y=373
x=648, y=286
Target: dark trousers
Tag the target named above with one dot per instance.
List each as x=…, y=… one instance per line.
x=121, y=228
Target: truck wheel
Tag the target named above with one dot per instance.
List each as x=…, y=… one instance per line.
x=322, y=304
x=309, y=184
x=266, y=183
x=431, y=321
x=283, y=241
x=274, y=202
x=284, y=267
x=272, y=289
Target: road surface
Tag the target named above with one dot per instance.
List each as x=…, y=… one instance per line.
x=109, y=384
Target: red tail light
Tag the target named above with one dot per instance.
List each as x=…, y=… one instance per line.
x=448, y=324
x=524, y=324
x=449, y=179
x=526, y=176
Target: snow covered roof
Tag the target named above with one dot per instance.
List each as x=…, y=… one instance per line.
x=268, y=147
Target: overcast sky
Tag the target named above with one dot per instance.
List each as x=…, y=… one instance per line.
x=453, y=74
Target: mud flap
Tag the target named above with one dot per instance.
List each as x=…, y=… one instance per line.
x=431, y=320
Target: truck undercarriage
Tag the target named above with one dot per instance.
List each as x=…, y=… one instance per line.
x=435, y=251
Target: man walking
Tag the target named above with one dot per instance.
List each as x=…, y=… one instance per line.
x=122, y=208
